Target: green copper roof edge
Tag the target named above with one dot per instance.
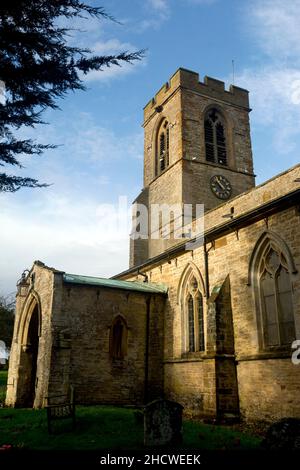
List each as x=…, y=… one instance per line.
x=115, y=284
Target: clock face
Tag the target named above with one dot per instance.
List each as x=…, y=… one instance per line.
x=220, y=186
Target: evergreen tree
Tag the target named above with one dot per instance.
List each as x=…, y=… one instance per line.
x=37, y=66
x=6, y=320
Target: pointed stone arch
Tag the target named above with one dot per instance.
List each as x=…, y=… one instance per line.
x=269, y=238
x=228, y=126
x=156, y=127
x=118, y=338
x=161, y=127
x=31, y=304
x=190, y=295
x=271, y=266
x=29, y=331
x=189, y=270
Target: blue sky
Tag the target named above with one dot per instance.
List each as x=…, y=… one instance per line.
x=99, y=131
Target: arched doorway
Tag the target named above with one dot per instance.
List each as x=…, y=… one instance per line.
x=32, y=348
x=30, y=330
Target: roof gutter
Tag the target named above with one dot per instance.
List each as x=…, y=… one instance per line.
x=264, y=211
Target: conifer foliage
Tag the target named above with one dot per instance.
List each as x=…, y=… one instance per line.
x=38, y=65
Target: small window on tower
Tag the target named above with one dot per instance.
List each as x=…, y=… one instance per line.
x=215, y=140
x=162, y=153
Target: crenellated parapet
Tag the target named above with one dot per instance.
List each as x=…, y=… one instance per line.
x=210, y=87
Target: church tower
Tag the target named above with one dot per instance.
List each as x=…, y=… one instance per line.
x=197, y=150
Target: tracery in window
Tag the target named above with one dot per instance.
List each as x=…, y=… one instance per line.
x=215, y=140
x=193, y=310
x=275, y=291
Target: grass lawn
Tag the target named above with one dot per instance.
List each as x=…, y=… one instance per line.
x=105, y=427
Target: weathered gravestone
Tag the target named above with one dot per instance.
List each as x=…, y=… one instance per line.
x=162, y=423
x=283, y=435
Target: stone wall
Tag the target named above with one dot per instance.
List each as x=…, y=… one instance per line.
x=197, y=171
x=265, y=193
x=83, y=358
x=172, y=110
x=74, y=338
x=139, y=248
x=184, y=101
x=40, y=294
x=192, y=383
x=269, y=389
x=231, y=255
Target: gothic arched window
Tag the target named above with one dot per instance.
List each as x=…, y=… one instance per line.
x=162, y=147
x=215, y=138
x=191, y=313
x=193, y=307
x=118, y=338
x=275, y=290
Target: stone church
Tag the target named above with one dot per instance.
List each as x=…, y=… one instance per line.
x=210, y=325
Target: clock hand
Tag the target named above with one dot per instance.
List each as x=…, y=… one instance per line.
x=221, y=184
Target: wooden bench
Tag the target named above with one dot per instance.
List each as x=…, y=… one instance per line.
x=60, y=407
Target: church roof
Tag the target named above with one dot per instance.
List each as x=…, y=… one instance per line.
x=137, y=286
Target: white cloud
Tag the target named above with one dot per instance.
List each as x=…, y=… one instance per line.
x=159, y=11
x=80, y=141
x=87, y=141
x=83, y=31
x=67, y=225
x=160, y=5
x=113, y=72
x=95, y=143
x=274, y=84
x=67, y=233
x=201, y=2
x=91, y=34
x=165, y=5
x=276, y=26
x=113, y=47
x=273, y=90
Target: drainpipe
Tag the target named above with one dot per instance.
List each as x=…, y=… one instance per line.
x=207, y=287
x=148, y=303
x=206, y=251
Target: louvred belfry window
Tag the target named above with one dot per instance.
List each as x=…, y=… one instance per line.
x=162, y=154
x=215, y=140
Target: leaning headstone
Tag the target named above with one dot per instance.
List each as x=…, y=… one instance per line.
x=162, y=423
x=283, y=435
